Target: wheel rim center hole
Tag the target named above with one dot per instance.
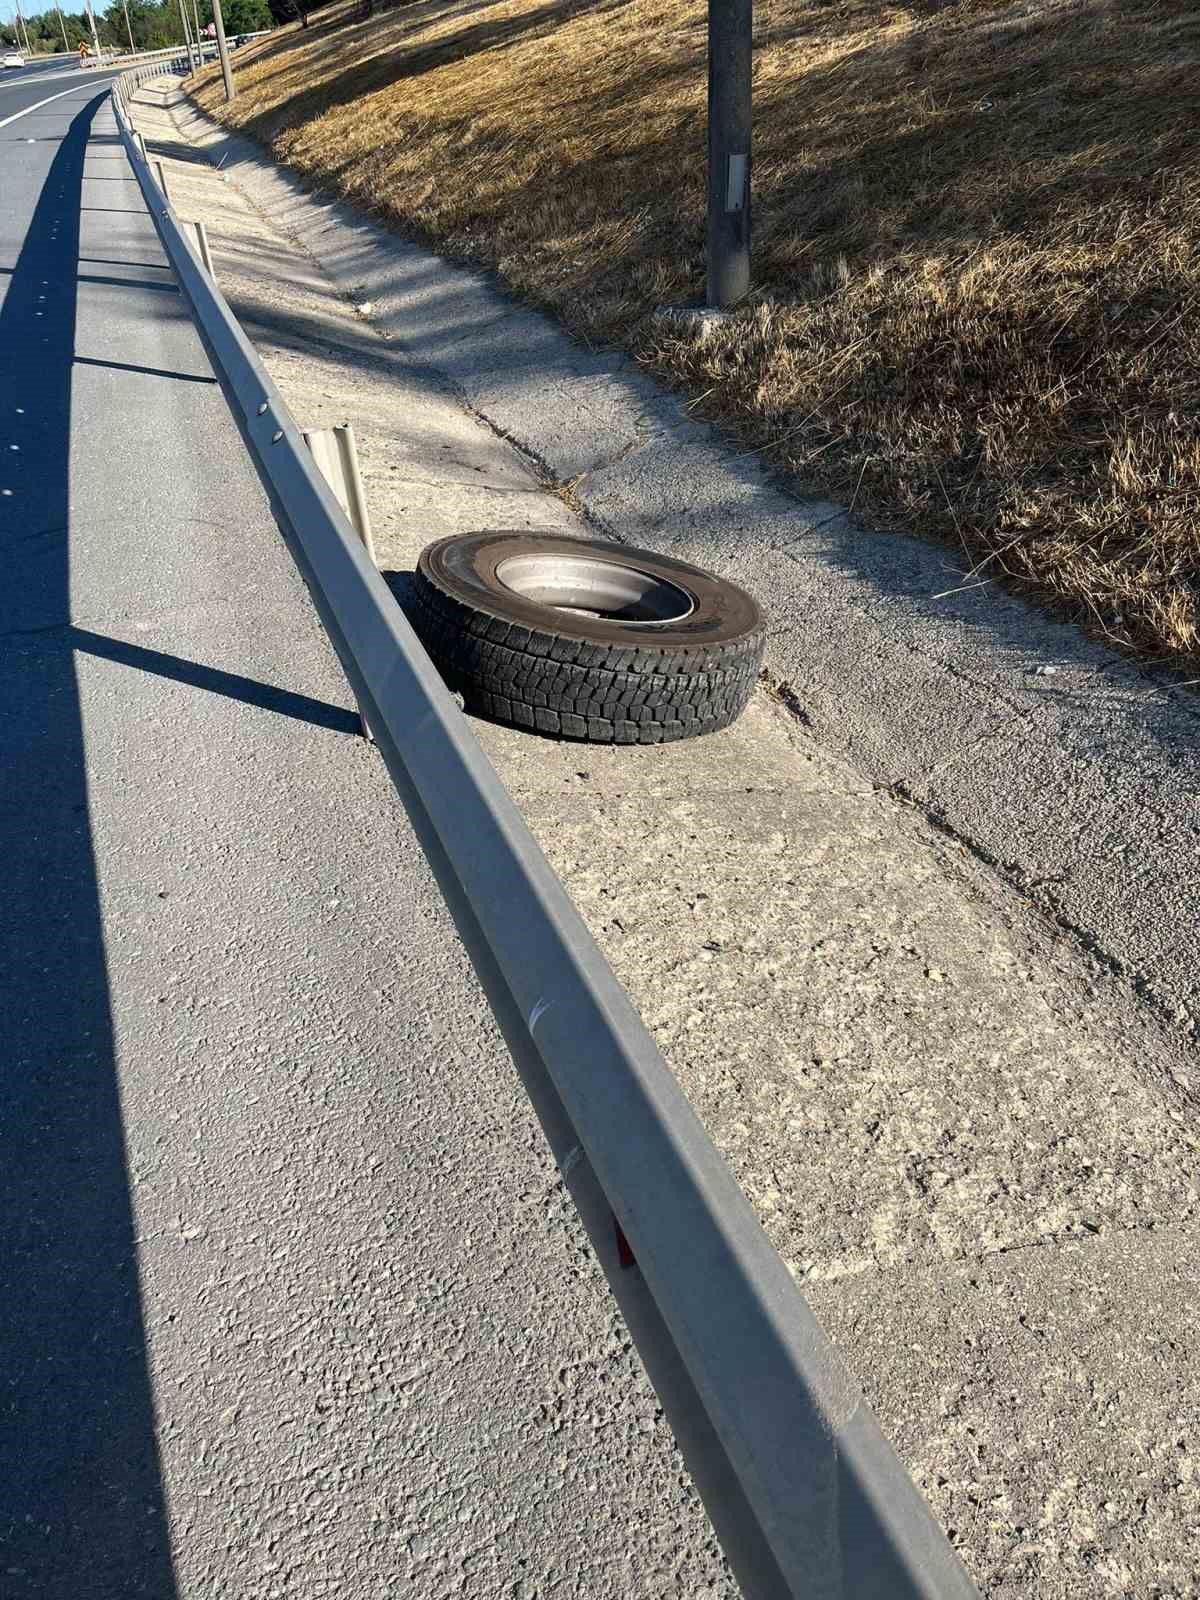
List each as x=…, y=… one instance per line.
x=606, y=590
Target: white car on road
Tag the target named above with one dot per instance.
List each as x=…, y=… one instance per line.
x=12, y=59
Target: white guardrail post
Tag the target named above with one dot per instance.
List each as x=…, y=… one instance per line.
x=806, y=1496
x=202, y=248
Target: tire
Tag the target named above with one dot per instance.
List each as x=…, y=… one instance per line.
x=648, y=649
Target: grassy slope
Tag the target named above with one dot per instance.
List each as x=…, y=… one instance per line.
x=977, y=310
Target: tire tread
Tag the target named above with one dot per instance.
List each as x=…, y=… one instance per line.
x=597, y=693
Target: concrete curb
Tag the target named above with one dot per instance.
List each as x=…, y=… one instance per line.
x=1071, y=772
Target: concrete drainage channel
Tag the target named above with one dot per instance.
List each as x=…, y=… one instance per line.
x=805, y=1494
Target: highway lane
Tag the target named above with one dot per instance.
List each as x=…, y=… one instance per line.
x=293, y=1299
x=38, y=65
x=23, y=89
x=82, y=1495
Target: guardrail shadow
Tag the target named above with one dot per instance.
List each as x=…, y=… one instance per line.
x=82, y=1509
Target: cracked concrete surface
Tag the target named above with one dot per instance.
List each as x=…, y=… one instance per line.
x=973, y=1148
x=923, y=676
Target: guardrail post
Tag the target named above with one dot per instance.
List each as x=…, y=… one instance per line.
x=202, y=248
x=336, y=454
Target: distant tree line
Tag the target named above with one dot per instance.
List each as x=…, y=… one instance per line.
x=154, y=26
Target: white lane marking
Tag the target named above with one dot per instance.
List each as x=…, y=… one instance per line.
x=60, y=76
x=42, y=77
x=38, y=104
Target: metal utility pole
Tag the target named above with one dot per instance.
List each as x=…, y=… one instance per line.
x=62, y=22
x=128, y=29
x=23, y=26
x=223, y=49
x=187, y=36
x=730, y=36
x=95, y=35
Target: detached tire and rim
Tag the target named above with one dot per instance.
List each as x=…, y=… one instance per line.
x=587, y=640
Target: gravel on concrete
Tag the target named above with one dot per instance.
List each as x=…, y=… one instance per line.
x=954, y=1120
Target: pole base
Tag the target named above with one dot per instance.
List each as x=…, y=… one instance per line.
x=700, y=321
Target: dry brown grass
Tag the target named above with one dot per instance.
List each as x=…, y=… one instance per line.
x=977, y=310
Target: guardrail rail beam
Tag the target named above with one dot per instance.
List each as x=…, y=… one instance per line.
x=807, y=1497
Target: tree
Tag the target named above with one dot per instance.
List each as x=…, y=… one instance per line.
x=154, y=27
x=241, y=16
x=289, y=10
x=155, y=24
x=246, y=16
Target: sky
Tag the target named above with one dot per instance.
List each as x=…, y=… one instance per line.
x=35, y=7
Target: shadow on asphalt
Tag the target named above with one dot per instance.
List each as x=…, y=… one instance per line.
x=252, y=692
x=81, y=1501
x=153, y=372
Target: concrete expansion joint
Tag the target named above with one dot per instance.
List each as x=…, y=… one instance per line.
x=703, y=791
x=543, y=469
x=486, y=488
x=1173, y=1018
x=784, y=694
x=1092, y=1233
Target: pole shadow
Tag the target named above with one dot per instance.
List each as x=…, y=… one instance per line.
x=82, y=1509
x=233, y=685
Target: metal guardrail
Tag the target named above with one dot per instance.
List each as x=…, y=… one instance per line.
x=805, y=1494
x=159, y=58
x=174, y=50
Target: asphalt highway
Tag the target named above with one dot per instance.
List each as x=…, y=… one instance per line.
x=291, y=1298
x=22, y=87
